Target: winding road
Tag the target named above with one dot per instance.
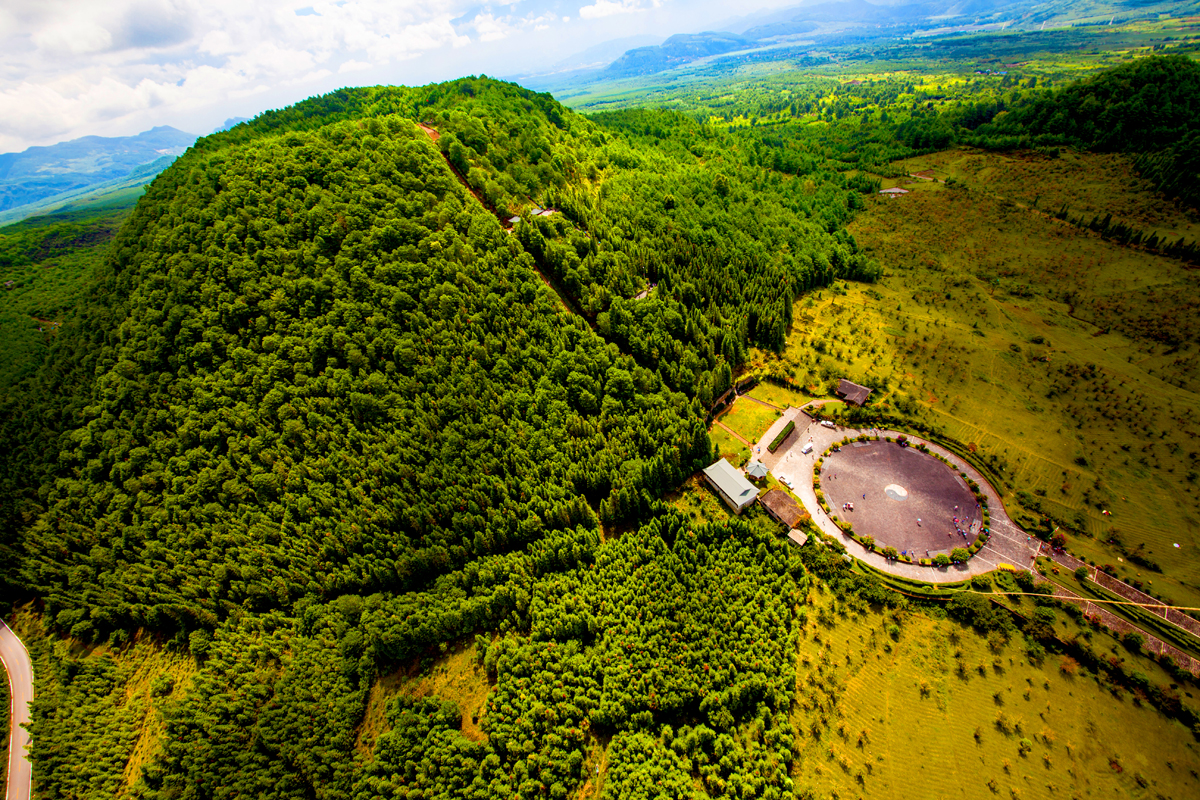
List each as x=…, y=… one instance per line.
x=20, y=690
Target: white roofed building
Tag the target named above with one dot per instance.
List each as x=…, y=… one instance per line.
x=735, y=490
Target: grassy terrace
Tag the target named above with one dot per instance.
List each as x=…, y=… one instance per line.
x=749, y=419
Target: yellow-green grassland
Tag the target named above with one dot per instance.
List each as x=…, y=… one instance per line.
x=913, y=706
x=1066, y=360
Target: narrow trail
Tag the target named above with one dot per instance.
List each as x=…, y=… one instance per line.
x=732, y=432
x=760, y=402
x=551, y=284
x=20, y=690
x=1171, y=614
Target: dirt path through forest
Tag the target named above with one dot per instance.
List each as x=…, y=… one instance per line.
x=551, y=284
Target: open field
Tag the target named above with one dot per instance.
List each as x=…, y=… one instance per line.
x=735, y=451
x=748, y=418
x=900, y=717
x=778, y=395
x=455, y=675
x=1083, y=182
x=986, y=326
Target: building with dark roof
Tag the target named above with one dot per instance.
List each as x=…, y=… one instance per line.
x=781, y=506
x=735, y=490
x=852, y=392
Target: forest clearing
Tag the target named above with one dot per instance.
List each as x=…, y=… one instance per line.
x=892, y=714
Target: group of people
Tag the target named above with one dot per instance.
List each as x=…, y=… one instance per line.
x=847, y=506
x=958, y=527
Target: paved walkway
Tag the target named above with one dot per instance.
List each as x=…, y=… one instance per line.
x=20, y=690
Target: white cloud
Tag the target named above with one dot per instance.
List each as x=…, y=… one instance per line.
x=76, y=67
x=491, y=28
x=607, y=8
x=73, y=37
x=73, y=67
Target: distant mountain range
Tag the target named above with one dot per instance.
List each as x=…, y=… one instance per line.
x=679, y=49
x=40, y=174
x=820, y=21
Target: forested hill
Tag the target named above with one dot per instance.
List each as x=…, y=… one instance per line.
x=321, y=413
x=1149, y=108
x=321, y=366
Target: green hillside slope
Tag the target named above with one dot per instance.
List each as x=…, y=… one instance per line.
x=330, y=371
x=323, y=420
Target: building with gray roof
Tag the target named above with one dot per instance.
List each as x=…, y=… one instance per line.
x=735, y=490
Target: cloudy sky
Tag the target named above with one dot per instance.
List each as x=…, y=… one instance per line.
x=70, y=68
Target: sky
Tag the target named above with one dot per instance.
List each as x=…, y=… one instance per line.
x=71, y=68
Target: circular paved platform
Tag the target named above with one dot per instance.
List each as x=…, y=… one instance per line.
x=902, y=497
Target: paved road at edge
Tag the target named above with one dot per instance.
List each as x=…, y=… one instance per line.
x=20, y=689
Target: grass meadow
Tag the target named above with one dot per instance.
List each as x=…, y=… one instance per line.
x=455, y=675
x=750, y=419
x=1015, y=334
x=940, y=712
x=730, y=447
x=779, y=396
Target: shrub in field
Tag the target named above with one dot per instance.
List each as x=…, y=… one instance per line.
x=941, y=560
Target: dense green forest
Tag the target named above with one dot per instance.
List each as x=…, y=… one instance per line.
x=321, y=413
x=315, y=368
